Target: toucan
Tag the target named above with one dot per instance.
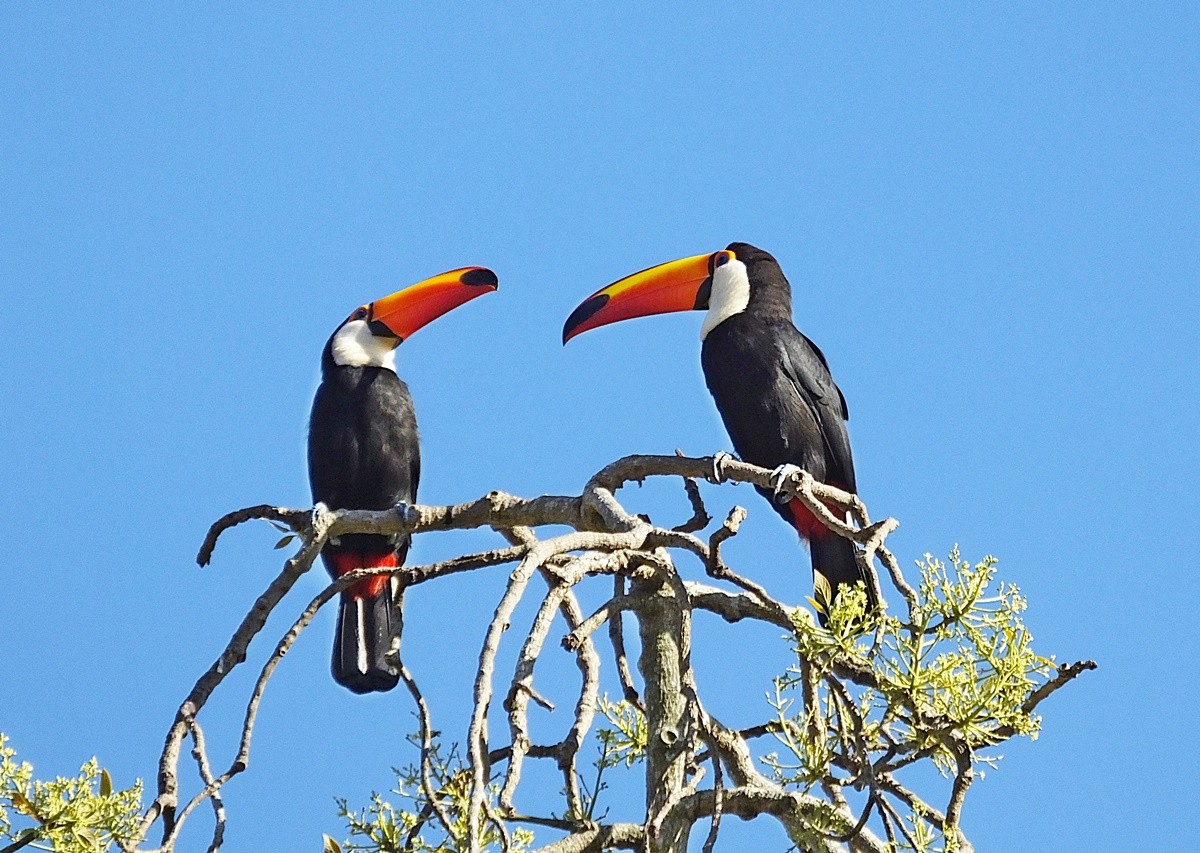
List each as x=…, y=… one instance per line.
x=364, y=453
x=771, y=384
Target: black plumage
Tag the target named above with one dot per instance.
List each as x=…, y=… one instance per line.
x=363, y=453
x=780, y=405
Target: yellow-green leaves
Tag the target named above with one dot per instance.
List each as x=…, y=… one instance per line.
x=866, y=699
x=80, y=814
x=967, y=658
x=626, y=741
x=415, y=826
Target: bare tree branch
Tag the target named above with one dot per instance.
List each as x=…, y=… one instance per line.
x=606, y=539
x=622, y=836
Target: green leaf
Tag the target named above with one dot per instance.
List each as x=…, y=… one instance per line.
x=284, y=541
x=105, y=784
x=332, y=846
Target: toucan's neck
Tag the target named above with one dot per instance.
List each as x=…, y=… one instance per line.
x=354, y=345
x=770, y=293
x=771, y=299
x=754, y=287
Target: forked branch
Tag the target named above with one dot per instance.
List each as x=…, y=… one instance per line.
x=843, y=740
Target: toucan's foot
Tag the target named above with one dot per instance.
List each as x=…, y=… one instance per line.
x=319, y=509
x=780, y=480
x=718, y=467
x=405, y=511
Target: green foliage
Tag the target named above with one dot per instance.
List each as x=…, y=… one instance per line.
x=81, y=814
x=949, y=682
x=868, y=697
x=382, y=827
x=625, y=743
x=969, y=661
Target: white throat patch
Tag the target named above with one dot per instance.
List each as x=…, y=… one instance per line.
x=355, y=346
x=730, y=295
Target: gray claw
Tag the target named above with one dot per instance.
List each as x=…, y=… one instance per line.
x=405, y=511
x=779, y=482
x=320, y=509
x=718, y=467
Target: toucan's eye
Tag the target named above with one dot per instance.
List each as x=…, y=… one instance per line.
x=721, y=259
x=359, y=314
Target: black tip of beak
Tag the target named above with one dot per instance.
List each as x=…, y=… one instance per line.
x=589, y=307
x=480, y=277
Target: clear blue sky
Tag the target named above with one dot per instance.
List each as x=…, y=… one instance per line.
x=989, y=219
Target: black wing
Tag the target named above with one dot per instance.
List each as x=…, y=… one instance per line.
x=777, y=398
x=804, y=367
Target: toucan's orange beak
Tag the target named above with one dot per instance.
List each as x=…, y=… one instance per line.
x=407, y=310
x=681, y=285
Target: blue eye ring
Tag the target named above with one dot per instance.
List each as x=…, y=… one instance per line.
x=721, y=258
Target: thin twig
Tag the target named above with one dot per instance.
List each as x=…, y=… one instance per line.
x=700, y=517
x=426, y=731
x=200, y=753
x=295, y=519
x=616, y=636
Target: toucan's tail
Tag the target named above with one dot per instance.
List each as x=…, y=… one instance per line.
x=834, y=567
x=833, y=560
x=367, y=622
